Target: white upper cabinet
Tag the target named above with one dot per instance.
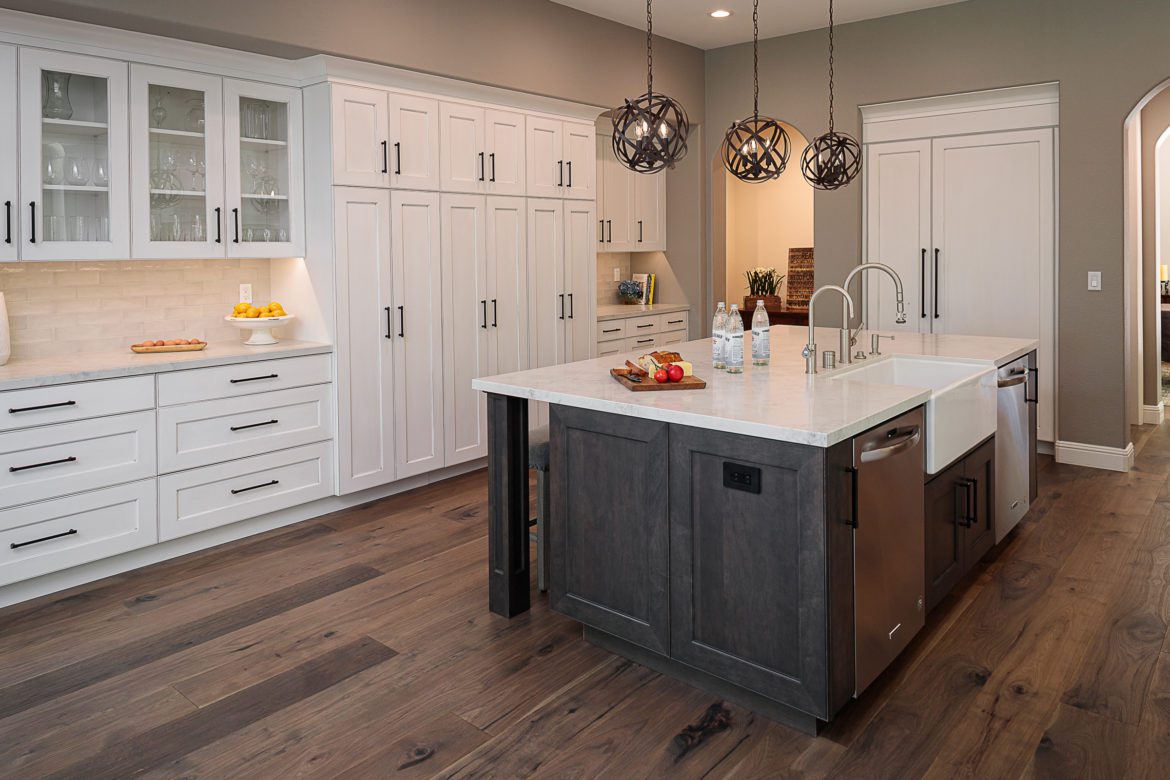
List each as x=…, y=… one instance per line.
x=648, y=231
x=75, y=171
x=505, y=152
x=264, y=170
x=463, y=162
x=545, y=156
x=360, y=137
x=414, y=143
x=9, y=198
x=580, y=161
x=631, y=206
x=177, y=193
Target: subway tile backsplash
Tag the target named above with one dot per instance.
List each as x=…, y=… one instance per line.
x=65, y=308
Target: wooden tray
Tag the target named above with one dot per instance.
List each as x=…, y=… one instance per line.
x=171, y=348
x=648, y=383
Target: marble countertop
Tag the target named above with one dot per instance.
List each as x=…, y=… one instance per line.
x=619, y=311
x=58, y=369
x=778, y=401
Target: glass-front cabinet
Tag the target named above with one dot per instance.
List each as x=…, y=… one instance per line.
x=9, y=187
x=176, y=142
x=74, y=166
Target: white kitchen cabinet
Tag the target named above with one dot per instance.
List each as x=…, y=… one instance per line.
x=580, y=278
x=360, y=136
x=505, y=152
x=631, y=206
x=648, y=230
x=418, y=341
x=9, y=187
x=74, y=121
x=462, y=148
x=414, y=142
x=545, y=155
x=507, y=233
x=561, y=262
x=580, y=161
x=177, y=192
x=365, y=328
x=263, y=154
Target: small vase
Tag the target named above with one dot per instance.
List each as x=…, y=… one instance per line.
x=5, y=334
x=56, y=100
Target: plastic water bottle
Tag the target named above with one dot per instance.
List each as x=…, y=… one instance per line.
x=718, y=333
x=734, y=341
x=761, y=336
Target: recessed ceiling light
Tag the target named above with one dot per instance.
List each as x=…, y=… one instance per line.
x=720, y=13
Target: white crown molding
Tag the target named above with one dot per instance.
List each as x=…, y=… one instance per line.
x=1095, y=456
x=1153, y=415
x=986, y=111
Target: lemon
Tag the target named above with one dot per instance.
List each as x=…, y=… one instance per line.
x=275, y=305
x=240, y=308
x=252, y=313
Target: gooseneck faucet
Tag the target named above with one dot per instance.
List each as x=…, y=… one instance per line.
x=810, y=349
x=848, y=339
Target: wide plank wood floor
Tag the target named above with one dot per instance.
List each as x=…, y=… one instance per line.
x=359, y=645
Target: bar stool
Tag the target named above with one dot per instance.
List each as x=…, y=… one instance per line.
x=538, y=460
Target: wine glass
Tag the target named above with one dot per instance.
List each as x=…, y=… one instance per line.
x=101, y=172
x=76, y=171
x=197, y=167
x=54, y=170
x=257, y=169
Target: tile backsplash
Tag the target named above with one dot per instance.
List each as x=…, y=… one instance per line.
x=65, y=308
x=607, y=288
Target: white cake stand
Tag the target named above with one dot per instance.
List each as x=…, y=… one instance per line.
x=261, y=328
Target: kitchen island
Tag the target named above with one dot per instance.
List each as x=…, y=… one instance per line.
x=714, y=535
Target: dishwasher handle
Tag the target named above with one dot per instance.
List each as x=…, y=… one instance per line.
x=1013, y=379
x=897, y=440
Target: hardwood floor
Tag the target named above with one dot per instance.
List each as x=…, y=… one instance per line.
x=359, y=645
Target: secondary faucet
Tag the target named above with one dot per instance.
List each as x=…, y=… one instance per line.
x=848, y=339
x=810, y=349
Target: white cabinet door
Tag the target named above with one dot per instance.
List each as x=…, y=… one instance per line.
x=414, y=142
x=580, y=161
x=418, y=341
x=546, y=274
x=462, y=154
x=897, y=215
x=361, y=133
x=264, y=162
x=176, y=163
x=545, y=155
x=648, y=231
x=74, y=120
x=993, y=216
x=602, y=144
x=9, y=240
x=466, y=325
x=508, y=284
x=365, y=326
x=580, y=278
x=619, y=205
x=505, y=153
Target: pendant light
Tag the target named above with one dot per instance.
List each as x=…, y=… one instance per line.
x=756, y=149
x=834, y=159
x=650, y=132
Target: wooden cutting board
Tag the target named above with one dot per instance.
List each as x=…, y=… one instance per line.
x=648, y=384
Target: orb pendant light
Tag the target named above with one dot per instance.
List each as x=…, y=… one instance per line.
x=756, y=149
x=650, y=132
x=832, y=160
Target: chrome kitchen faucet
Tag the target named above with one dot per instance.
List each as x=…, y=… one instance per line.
x=810, y=349
x=848, y=339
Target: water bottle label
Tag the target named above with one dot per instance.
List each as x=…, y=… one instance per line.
x=761, y=348
x=735, y=349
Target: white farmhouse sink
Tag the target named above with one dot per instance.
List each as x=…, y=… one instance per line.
x=961, y=411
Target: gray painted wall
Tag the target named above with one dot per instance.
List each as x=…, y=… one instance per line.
x=1106, y=56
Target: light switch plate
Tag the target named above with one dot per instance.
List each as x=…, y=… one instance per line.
x=245, y=293
x=1095, y=281
x=617, y=273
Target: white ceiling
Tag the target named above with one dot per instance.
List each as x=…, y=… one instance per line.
x=689, y=21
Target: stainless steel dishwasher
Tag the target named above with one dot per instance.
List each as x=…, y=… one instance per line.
x=889, y=565
x=1015, y=446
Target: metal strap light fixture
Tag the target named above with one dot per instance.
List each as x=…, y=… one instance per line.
x=756, y=149
x=650, y=132
x=831, y=160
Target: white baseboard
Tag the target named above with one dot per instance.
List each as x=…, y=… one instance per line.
x=1153, y=415
x=1095, y=456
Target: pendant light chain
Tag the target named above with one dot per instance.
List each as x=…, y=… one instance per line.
x=832, y=160
x=756, y=59
x=649, y=48
x=756, y=149
x=830, y=66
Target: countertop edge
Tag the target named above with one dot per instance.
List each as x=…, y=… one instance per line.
x=636, y=310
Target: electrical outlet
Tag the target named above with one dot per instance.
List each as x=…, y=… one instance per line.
x=617, y=274
x=1095, y=281
x=245, y=293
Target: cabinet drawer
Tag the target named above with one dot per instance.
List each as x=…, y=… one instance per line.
x=640, y=344
x=202, y=384
x=65, y=532
x=611, y=330
x=216, y=431
x=607, y=348
x=71, y=457
x=642, y=326
x=78, y=401
x=196, y=500
x=673, y=337
x=668, y=323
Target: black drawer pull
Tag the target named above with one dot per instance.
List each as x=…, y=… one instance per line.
x=675, y=322
x=253, y=425
x=18, y=545
x=612, y=330
x=20, y=409
x=645, y=341
x=14, y=469
x=270, y=483
x=647, y=325
x=253, y=378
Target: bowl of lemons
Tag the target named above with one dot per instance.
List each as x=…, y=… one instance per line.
x=260, y=320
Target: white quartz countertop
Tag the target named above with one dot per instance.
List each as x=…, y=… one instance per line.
x=778, y=401
x=618, y=311
x=58, y=369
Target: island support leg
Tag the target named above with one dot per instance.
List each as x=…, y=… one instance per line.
x=508, y=578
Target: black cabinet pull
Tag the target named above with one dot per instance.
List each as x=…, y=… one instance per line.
x=647, y=325
x=483, y=323
x=854, y=504
x=963, y=514
x=562, y=297
x=253, y=378
x=401, y=322
x=493, y=156
x=645, y=341
x=561, y=173
x=922, y=285
x=218, y=225
x=609, y=223
x=32, y=207
x=675, y=322
x=253, y=425
x=269, y=483
x=1034, y=381
x=15, y=469
x=8, y=221
x=611, y=330
x=570, y=305
x=936, y=284
x=389, y=324
x=385, y=158
x=639, y=231
x=601, y=223
x=236, y=220
x=570, y=173
x=397, y=158
x=482, y=167
x=495, y=314
x=18, y=545
x=19, y=409
x=973, y=516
